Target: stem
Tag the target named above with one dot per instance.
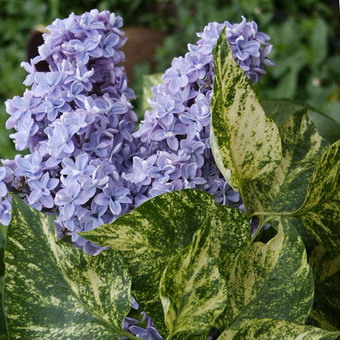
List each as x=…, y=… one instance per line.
x=246, y=207
x=259, y=228
x=169, y=336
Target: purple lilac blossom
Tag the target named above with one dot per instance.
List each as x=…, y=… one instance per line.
x=175, y=132
x=77, y=124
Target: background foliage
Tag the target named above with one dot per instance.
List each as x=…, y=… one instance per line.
x=306, y=48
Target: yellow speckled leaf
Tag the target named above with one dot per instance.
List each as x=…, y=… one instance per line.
x=192, y=290
x=326, y=271
x=55, y=291
x=269, y=329
x=152, y=234
x=320, y=213
x=284, y=190
x=245, y=142
x=271, y=280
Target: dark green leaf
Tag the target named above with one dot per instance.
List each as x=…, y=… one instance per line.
x=326, y=307
x=280, y=110
x=327, y=126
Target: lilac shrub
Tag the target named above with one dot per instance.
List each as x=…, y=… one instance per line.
x=176, y=151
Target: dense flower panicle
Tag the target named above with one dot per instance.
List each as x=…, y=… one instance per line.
x=175, y=133
x=77, y=123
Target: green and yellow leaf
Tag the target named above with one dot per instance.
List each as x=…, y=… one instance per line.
x=149, y=236
x=320, y=213
x=270, y=280
x=270, y=329
x=245, y=142
x=326, y=271
x=192, y=289
x=284, y=190
x=53, y=290
x=281, y=110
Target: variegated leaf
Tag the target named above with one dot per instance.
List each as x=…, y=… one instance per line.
x=53, y=290
x=327, y=126
x=284, y=189
x=271, y=280
x=320, y=213
x=281, y=110
x=326, y=271
x=149, y=82
x=192, y=289
x=150, y=235
x=270, y=329
x=245, y=142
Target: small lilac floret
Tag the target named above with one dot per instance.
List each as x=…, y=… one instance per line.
x=5, y=210
x=40, y=195
x=3, y=186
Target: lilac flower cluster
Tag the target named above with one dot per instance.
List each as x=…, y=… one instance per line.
x=176, y=151
x=77, y=123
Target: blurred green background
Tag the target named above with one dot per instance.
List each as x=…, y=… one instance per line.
x=304, y=34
